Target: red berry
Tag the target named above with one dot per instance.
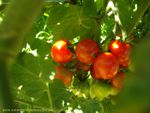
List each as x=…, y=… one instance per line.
x=122, y=51
x=105, y=66
x=60, y=53
x=87, y=50
x=63, y=74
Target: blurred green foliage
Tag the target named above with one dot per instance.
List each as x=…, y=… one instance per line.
x=26, y=36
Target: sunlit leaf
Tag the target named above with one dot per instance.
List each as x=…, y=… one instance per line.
x=59, y=95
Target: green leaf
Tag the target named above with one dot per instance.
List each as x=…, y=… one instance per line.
x=32, y=71
x=108, y=105
x=125, y=12
x=91, y=106
x=42, y=47
x=38, y=65
x=43, y=100
x=56, y=14
x=32, y=74
x=69, y=26
x=89, y=8
x=14, y=29
x=88, y=105
x=75, y=21
x=99, y=4
x=142, y=7
x=32, y=84
x=55, y=0
x=129, y=19
x=59, y=95
x=89, y=28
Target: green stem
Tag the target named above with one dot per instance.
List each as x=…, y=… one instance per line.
x=50, y=99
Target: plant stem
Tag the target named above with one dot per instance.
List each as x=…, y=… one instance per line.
x=50, y=99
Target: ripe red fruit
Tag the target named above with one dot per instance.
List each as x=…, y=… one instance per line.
x=118, y=80
x=87, y=50
x=122, y=51
x=105, y=66
x=63, y=74
x=60, y=53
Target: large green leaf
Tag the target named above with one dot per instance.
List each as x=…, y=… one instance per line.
x=128, y=17
x=55, y=0
x=16, y=23
x=91, y=106
x=89, y=8
x=56, y=14
x=59, y=95
x=100, y=4
x=88, y=105
x=108, y=105
x=42, y=47
x=69, y=26
x=32, y=72
x=125, y=11
x=44, y=100
x=74, y=21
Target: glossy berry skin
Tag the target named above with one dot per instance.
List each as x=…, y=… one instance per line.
x=118, y=80
x=60, y=53
x=122, y=51
x=63, y=74
x=105, y=66
x=86, y=51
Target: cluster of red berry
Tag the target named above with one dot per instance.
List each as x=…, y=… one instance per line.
x=102, y=65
